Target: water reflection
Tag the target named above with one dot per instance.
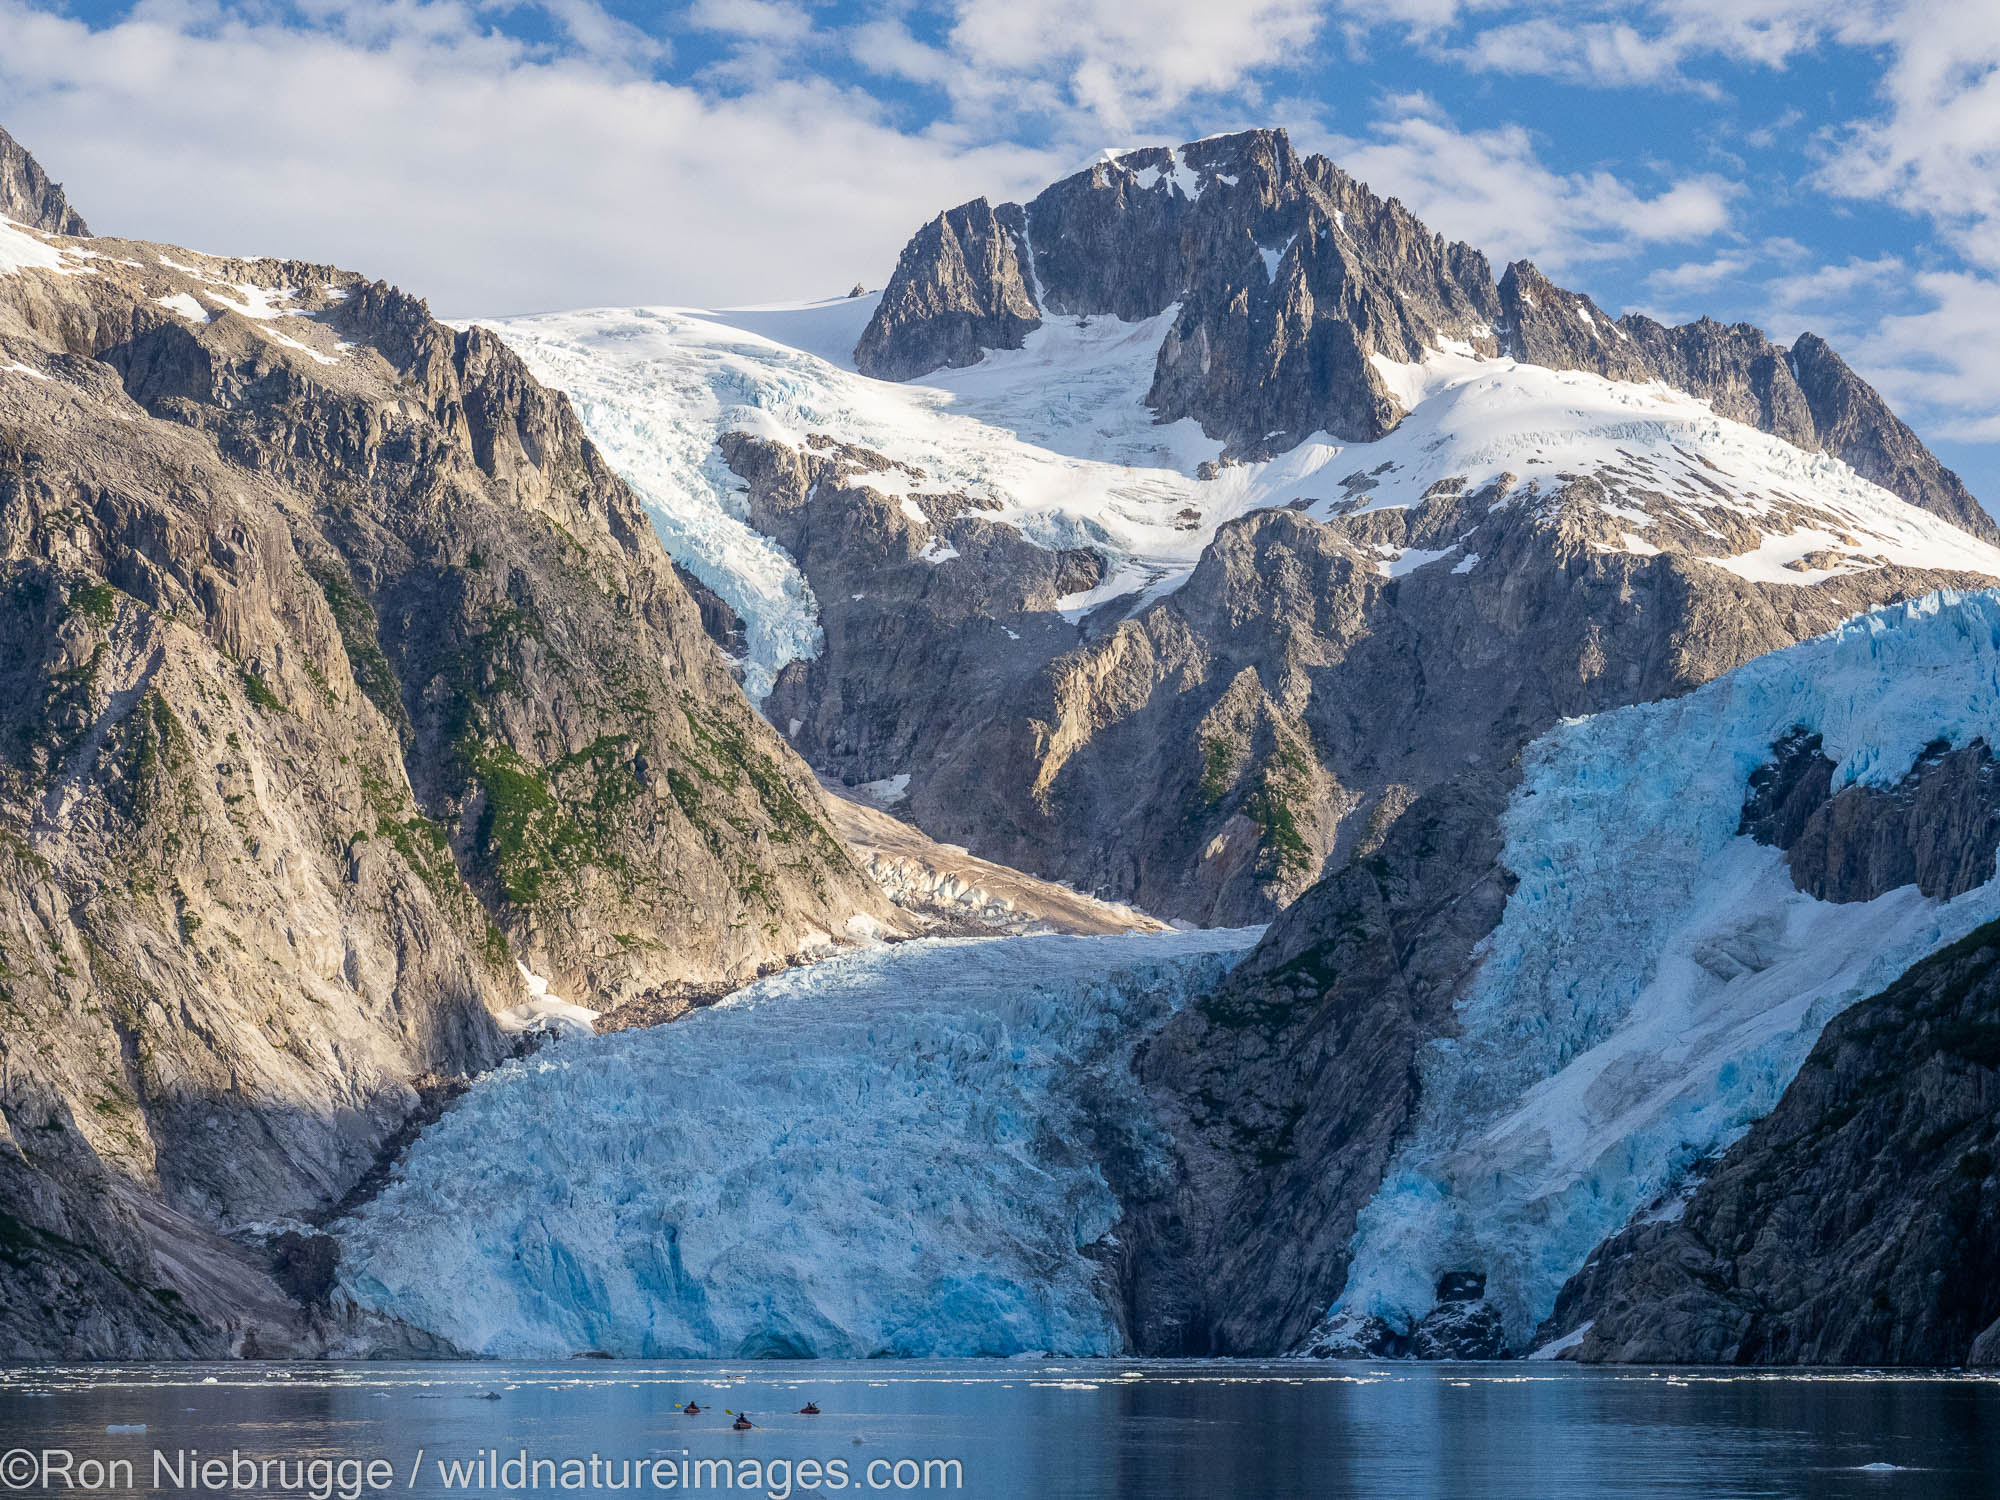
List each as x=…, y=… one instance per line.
x=1240, y=1431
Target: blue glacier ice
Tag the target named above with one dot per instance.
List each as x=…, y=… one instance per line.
x=1656, y=980
x=888, y=1152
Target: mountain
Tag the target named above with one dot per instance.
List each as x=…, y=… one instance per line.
x=1466, y=1060
x=29, y=198
x=1192, y=644
x=1208, y=533
x=1593, y=711
x=970, y=1152
x=1291, y=285
x=351, y=702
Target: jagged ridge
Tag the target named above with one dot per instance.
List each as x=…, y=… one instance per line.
x=1290, y=277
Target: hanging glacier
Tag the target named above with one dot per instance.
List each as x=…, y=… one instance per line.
x=1657, y=979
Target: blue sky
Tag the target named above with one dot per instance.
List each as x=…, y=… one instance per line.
x=1792, y=164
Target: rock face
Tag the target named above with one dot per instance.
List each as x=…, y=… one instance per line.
x=340, y=677
x=1289, y=274
x=1208, y=757
x=1937, y=829
x=1857, y=1224
x=1290, y=1088
x=28, y=197
x=1293, y=280
x=957, y=292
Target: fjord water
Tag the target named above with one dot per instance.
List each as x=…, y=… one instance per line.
x=1049, y=1429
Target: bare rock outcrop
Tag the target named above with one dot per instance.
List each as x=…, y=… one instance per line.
x=1857, y=1224
x=1936, y=828
x=28, y=197
x=958, y=291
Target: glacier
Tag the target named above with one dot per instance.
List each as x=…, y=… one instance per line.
x=1656, y=980
x=1057, y=435
x=890, y=1152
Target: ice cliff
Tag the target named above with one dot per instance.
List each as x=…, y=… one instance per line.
x=886, y=1153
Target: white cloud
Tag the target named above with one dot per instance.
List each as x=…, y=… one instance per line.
x=754, y=20
x=1834, y=285
x=1611, y=43
x=1700, y=276
x=1935, y=150
x=1490, y=188
x=1607, y=53
x=1119, y=65
x=408, y=141
x=1941, y=364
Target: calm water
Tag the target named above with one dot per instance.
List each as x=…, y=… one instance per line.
x=1042, y=1429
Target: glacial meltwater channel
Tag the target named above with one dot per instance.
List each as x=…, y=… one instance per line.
x=1002, y=1430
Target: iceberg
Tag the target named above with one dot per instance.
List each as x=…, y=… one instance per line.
x=1656, y=979
x=890, y=1152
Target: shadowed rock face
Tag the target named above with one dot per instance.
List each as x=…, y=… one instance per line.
x=1937, y=828
x=337, y=672
x=1290, y=276
x=28, y=197
x=1857, y=1224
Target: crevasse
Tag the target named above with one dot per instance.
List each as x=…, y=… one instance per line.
x=1656, y=979
x=885, y=1153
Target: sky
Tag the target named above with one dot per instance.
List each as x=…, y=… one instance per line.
x=1791, y=163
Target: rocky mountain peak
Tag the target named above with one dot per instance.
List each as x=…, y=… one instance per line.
x=1295, y=292
x=1287, y=275
x=958, y=291
x=28, y=197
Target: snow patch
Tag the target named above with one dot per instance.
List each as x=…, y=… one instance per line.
x=185, y=305
x=888, y=791
x=23, y=249
x=1275, y=258
x=1554, y=1348
x=546, y=1011
x=1409, y=559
